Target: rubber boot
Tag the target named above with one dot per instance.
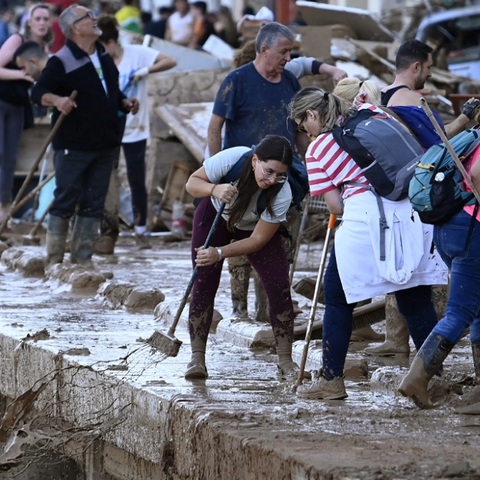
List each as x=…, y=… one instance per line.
x=396, y=333
x=262, y=312
x=240, y=270
x=56, y=239
x=474, y=409
x=476, y=360
x=84, y=238
x=424, y=366
x=366, y=334
x=440, y=295
x=196, y=368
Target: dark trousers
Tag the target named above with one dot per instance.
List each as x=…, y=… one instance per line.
x=11, y=127
x=135, y=160
x=270, y=262
x=415, y=304
x=82, y=179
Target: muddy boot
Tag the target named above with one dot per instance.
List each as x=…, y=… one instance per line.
x=439, y=299
x=105, y=245
x=322, y=388
x=286, y=366
x=239, y=269
x=84, y=237
x=56, y=238
x=196, y=368
x=262, y=312
x=396, y=333
x=476, y=361
x=366, y=334
x=424, y=366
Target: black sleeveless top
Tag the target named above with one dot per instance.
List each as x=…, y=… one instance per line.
x=15, y=92
x=386, y=96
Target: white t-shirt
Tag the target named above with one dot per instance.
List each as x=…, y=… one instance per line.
x=219, y=165
x=135, y=57
x=181, y=28
x=98, y=67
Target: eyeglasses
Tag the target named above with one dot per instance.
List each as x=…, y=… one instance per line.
x=89, y=15
x=300, y=127
x=271, y=175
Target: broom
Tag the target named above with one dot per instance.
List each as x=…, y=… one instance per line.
x=167, y=343
x=362, y=317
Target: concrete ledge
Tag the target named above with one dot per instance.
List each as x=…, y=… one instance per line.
x=246, y=333
x=28, y=260
x=119, y=294
x=77, y=276
x=356, y=367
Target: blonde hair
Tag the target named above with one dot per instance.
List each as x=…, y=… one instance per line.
x=329, y=107
x=28, y=31
x=349, y=88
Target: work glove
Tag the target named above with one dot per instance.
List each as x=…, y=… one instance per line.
x=140, y=74
x=470, y=107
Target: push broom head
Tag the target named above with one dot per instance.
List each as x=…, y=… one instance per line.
x=167, y=345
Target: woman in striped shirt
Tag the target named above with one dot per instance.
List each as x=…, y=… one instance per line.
x=354, y=272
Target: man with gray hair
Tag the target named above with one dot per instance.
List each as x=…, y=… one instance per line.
x=252, y=100
x=252, y=103
x=88, y=141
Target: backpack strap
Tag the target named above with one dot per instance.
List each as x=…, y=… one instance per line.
x=383, y=225
x=398, y=119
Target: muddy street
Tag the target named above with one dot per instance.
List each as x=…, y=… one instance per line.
x=244, y=422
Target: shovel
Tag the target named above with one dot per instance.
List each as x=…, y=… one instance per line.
x=167, y=343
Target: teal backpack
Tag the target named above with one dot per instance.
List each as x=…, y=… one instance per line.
x=436, y=190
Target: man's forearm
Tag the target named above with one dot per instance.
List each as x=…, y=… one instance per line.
x=457, y=126
x=214, y=142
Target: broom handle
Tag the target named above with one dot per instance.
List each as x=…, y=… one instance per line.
x=313, y=309
x=33, y=231
x=216, y=221
x=458, y=163
x=25, y=183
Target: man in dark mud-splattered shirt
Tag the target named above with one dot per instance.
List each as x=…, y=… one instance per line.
x=252, y=100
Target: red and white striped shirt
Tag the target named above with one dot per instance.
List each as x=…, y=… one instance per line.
x=329, y=166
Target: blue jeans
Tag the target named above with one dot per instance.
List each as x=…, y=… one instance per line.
x=463, y=261
x=415, y=304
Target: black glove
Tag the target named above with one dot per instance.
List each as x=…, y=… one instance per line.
x=470, y=107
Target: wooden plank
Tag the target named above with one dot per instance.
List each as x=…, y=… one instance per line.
x=315, y=40
x=360, y=21
x=189, y=122
x=175, y=186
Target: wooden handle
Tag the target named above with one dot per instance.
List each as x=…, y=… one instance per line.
x=13, y=207
x=458, y=163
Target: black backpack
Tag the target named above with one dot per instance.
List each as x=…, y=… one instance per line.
x=387, y=154
x=385, y=151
